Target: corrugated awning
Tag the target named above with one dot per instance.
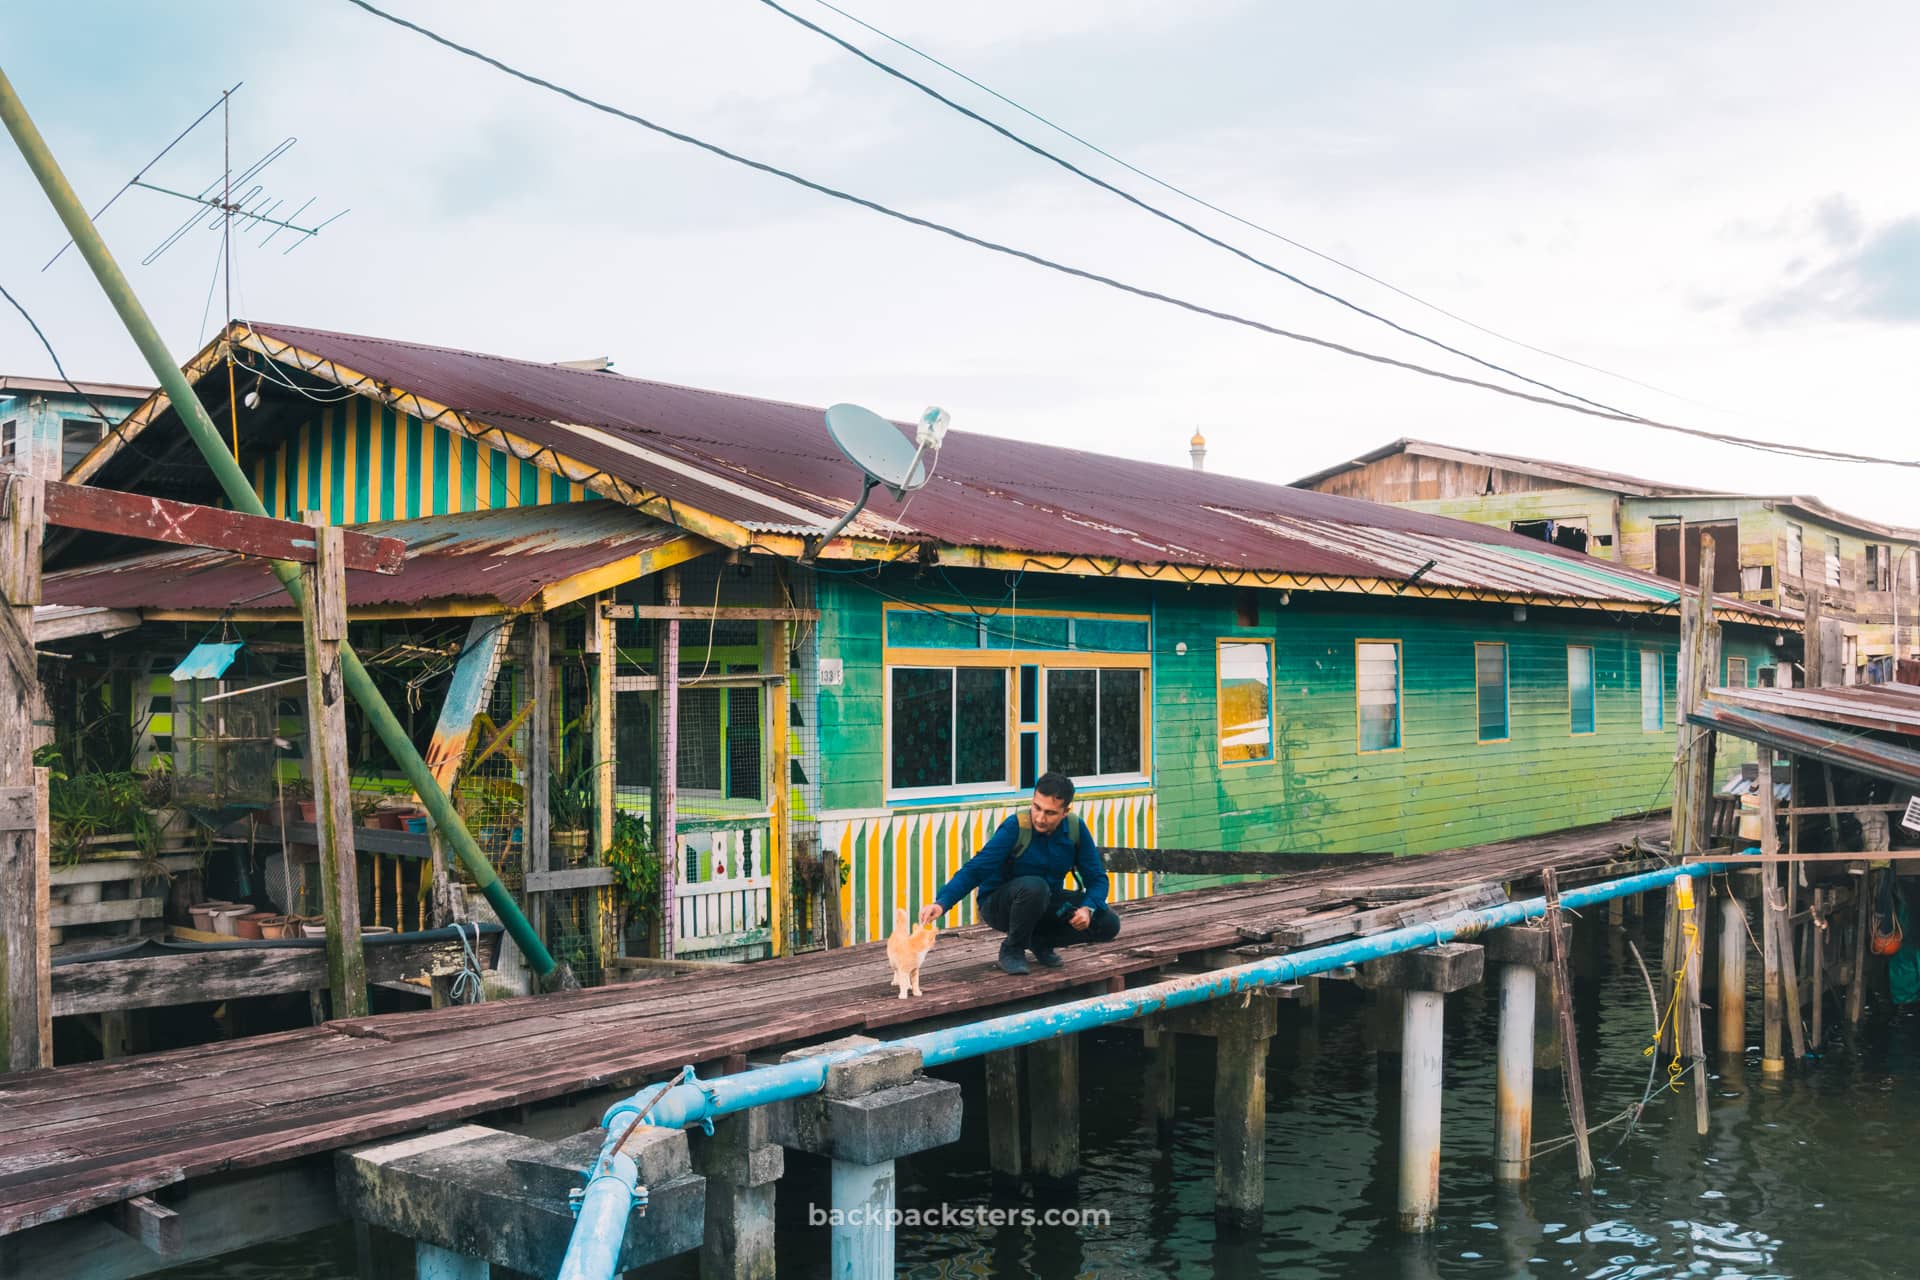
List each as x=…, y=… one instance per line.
x=490, y=560
x=1845, y=747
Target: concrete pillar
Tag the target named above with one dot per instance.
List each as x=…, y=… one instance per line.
x=1426, y=977
x=1513, y=1090
x=1519, y=951
x=742, y=1164
x=1053, y=1095
x=1731, y=1002
x=873, y=1109
x=1159, y=1083
x=1003, y=1113
x=1422, y=1048
x=862, y=1230
x=1240, y=1033
x=431, y=1262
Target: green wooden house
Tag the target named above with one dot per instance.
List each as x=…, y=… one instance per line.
x=1219, y=663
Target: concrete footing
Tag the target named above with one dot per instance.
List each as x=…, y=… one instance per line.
x=1425, y=976
x=1519, y=953
x=741, y=1163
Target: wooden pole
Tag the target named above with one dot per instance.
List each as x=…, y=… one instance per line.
x=325, y=623
x=536, y=841
x=1731, y=1000
x=1693, y=944
x=1862, y=922
x=666, y=770
x=600, y=654
x=780, y=794
x=1772, y=1057
x=1569, y=1040
x=1818, y=932
x=26, y=1002
x=1813, y=648
x=1053, y=1089
x=1003, y=1113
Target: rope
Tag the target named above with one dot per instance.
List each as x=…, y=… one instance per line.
x=467, y=986
x=1676, y=1069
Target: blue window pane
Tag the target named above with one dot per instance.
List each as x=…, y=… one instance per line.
x=1580, y=687
x=1490, y=678
x=928, y=629
x=1110, y=635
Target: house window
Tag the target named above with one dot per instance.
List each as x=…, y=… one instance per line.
x=948, y=727
x=1736, y=673
x=8, y=440
x=1490, y=691
x=1653, y=691
x=1880, y=566
x=77, y=438
x=1796, y=537
x=983, y=702
x=1377, y=693
x=1093, y=722
x=1580, y=687
x=1833, y=561
x=1245, y=715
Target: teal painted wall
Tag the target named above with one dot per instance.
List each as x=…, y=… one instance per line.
x=1442, y=789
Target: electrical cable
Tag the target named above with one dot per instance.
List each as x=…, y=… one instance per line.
x=1184, y=194
x=1789, y=450
x=1162, y=214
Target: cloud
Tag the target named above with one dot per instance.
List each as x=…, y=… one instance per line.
x=1879, y=280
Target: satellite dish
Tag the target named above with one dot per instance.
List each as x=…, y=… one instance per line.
x=876, y=446
x=883, y=455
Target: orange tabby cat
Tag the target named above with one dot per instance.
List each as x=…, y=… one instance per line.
x=906, y=951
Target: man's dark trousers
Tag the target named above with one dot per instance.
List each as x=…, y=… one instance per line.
x=1032, y=915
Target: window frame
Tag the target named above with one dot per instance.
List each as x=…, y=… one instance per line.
x=1399, y=696
x=9, y=439
x=67, y=426
x=1796, y=550
x=1593, y=693
x=1009, y=762
x=1660, y=688
x=1745, y=670
x=1506, y=691
x=1046, y=747
x=1830, y=572
x=1010, y=661
x=1219, y=703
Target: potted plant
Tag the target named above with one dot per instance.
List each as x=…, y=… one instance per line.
x=570, y=806
x=636, y=870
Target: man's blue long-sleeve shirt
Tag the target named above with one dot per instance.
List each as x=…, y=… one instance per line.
x=1049, y=856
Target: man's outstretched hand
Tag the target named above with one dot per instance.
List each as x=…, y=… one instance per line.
x=1081, y=919
x=931, y=912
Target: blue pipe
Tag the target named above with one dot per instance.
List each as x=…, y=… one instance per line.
x=610, y=1194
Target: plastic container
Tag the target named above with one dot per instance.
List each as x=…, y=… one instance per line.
x=1749, y=817
x=227, y=920
x=417, y=823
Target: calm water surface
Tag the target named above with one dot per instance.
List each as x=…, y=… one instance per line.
x=1818, y=1176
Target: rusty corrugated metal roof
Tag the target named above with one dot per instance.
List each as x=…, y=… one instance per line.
x=768, y=467
x=1890, y=708
x=506, y=557
x=1814, y=738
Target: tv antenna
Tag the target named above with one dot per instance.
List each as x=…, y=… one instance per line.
x=883, y=454
x=252, y=208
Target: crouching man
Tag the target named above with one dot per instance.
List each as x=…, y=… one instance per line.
x=1021, y=877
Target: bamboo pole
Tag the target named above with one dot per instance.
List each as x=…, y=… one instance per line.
x=239, y=492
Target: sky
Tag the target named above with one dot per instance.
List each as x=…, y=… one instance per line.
x=1715, y=203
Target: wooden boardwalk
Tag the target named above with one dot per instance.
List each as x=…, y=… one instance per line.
x=76, y=1138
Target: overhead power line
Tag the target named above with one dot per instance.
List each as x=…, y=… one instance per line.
x=1081, y=273
x=1204, y=203
x=1164, y=216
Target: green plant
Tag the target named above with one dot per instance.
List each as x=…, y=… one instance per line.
x=635, y=865
x=571, y=797
x=83, y=806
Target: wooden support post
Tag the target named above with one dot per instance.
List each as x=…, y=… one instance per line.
x=1862, y=923
x=780, y=792
x=1817, y=934
x=1053, y=1095
x=666, y=780
x=1692, y=1040
x=1789, y=978
x=600, y=654
x=1730, y=1002
x=1569, y=1040
x=1513, y=1087
x=1003, y=1113
x=1773, y=1059
x=536, y=838
x=1240, y=1113
x=1671, y=958
x=1158, y=1086
x=431, y=1262
x=325, y=626
x=26, y=1002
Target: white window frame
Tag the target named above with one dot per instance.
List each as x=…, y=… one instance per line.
x=1593, y=692
x=1832, y=567
x=1659, y=690
x=1796, y=550
x=1046, y=749
x=1744, y=673
x=1010, y=744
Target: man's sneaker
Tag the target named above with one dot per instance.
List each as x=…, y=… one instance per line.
x=1048, y=957
x=1012, y=961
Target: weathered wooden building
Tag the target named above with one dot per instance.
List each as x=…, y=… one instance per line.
x=1220, y=663
x=1774, y=549
x=47, y=425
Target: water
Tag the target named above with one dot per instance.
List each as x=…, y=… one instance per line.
x=1809, y=1178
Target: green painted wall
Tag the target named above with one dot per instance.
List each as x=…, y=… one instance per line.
x=1442, y=789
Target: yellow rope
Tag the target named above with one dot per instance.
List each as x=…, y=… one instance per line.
x=1675, y=1068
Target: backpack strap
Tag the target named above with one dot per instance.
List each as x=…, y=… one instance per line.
x=1069, y=826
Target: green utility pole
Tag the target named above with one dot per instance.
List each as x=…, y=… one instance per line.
x=240, y=493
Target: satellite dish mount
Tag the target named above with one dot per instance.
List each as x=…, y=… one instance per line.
x=884, y=456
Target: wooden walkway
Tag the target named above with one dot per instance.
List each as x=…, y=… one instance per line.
x=77, y=1138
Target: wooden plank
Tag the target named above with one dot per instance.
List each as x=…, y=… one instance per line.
x=1227, y=862
x=152, y=1224
x=324, y=626
x=537, y=847
x=725, y=613
x=87, y=622
x=120, y=869
x=401, y=844
x=192, y=977
x=572, y=878
x=1327, y=926
x=467, y=693
x=779, y=767
x=26, y=1029
x=19, y=807
x=26, y=957
x=63, y=914
x=82, y=506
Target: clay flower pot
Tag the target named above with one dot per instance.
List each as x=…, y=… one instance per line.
x=368, y=930
x=273, y=926
x=83, y=894
x=309, y=811
x=248, y=925
x=202, y=913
